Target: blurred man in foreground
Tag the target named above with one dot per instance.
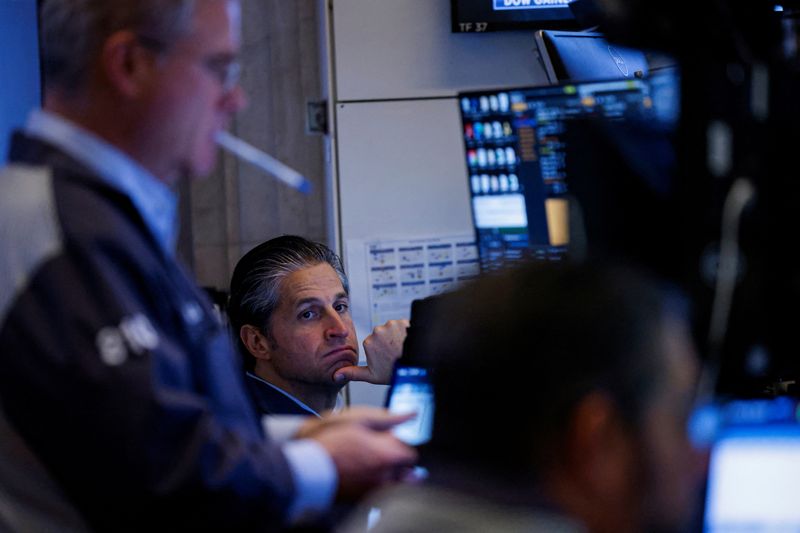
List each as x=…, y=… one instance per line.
x=562, y=395
x=114, y=369
x=290, y=312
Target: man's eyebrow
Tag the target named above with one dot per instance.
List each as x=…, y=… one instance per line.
x=313, y=299
x=304, y=301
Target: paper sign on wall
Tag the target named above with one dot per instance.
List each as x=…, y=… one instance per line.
x=400, y=271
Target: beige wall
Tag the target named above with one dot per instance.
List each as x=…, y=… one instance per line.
x=238, y=207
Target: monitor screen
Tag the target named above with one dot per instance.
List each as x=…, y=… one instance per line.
x=515, y=145
x=753, y=483
x=499, y=15
x=411, y=391
x=754, y=468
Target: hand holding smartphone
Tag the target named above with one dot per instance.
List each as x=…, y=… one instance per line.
x=411, y=391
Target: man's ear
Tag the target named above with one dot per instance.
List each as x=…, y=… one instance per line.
x=125, y=63
x=255, y=342
x=601, y=450
x=596, y=476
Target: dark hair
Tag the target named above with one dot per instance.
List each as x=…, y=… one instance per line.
x=256, y=280
x=515, y=353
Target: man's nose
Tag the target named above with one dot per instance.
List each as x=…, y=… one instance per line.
x=235, y=99
x=336, y=327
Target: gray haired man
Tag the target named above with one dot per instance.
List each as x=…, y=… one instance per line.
x=114, y=369
x=290, y=310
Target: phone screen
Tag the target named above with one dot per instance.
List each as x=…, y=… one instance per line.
x=412, y=392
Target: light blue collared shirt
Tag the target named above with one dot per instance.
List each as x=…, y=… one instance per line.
x=154, y=200
x=313, y=471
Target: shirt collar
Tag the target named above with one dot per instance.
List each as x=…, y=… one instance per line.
x=339, y=401
x=155, y=201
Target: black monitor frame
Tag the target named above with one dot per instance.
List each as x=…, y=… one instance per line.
x=478, y=16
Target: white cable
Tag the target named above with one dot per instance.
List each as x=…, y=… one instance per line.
x=737, y=199
x=739, y=196
x=263, y=161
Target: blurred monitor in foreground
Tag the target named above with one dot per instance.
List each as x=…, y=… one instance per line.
x=754, y=466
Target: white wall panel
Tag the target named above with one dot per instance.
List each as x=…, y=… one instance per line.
x=400, y=170
x=404, y=49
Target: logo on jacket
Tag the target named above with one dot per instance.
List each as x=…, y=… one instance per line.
x=618, y=60
x=134, y=334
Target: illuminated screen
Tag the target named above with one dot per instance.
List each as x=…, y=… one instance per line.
x=515, y=146
x=411, y=391
x=753, y=483
x=498, y=15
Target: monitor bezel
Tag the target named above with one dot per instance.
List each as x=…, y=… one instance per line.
x=468, y=16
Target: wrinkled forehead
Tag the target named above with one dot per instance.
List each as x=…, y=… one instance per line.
x=315, y=281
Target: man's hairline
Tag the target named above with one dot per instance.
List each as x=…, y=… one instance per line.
x=266, y=329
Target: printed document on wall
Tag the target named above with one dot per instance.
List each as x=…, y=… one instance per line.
x=388, y=274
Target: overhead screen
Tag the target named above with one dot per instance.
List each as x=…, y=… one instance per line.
x=19, y=66
x=501, y=15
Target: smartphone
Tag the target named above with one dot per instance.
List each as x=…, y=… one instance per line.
x=411, y=391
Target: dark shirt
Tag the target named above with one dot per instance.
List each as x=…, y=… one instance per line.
x=114, y=367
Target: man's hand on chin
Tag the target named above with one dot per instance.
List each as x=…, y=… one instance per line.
x=382, y=348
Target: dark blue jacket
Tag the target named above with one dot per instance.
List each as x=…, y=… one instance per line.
x=113, y=366
x=271, y=401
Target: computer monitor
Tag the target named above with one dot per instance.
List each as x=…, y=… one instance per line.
x=754, y=468
x=515, y=155
x=501, y=15
x=587, y=56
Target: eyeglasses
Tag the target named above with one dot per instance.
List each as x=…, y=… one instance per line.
x=225, y=69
